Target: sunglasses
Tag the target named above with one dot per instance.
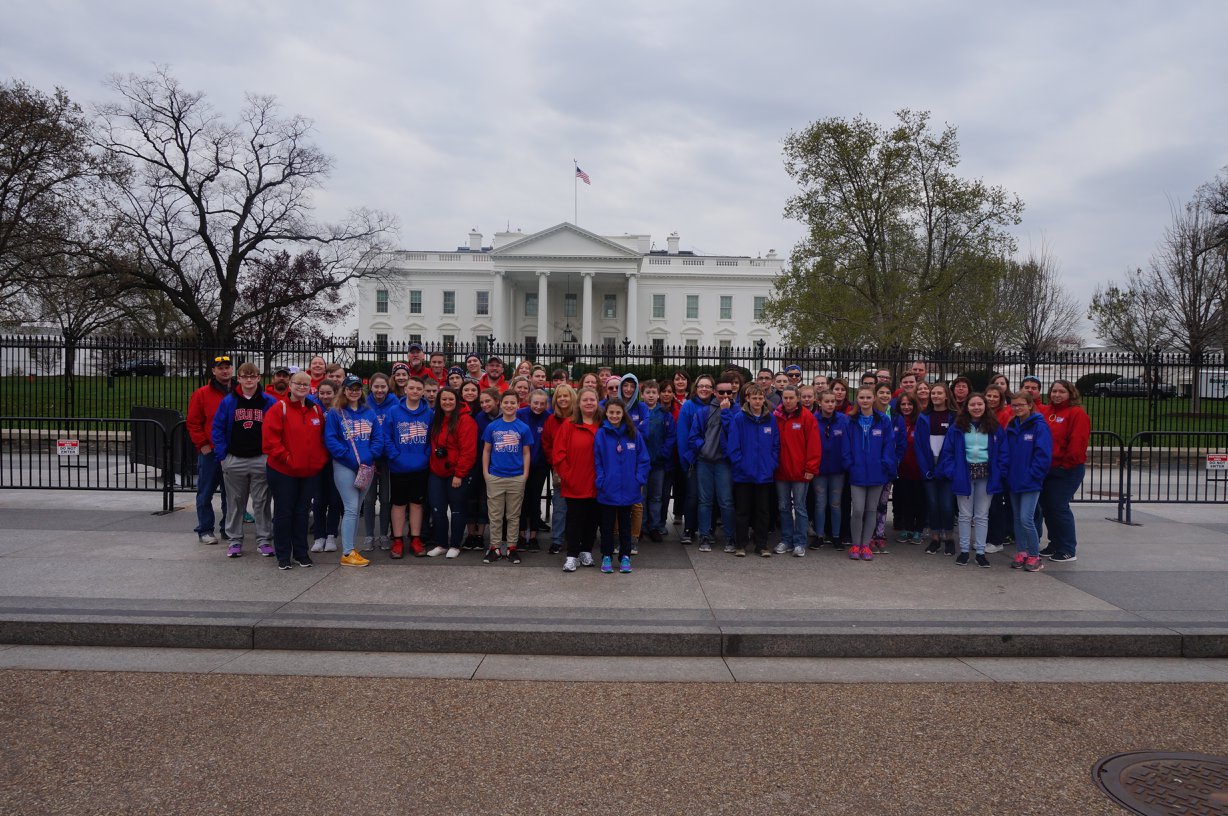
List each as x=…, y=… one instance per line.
x=222, y=359
x=793, y=375
x=723, y=392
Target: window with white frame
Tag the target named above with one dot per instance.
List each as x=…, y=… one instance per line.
x=692, y=307
x=658, y=306
x=530, y=304
x=760, y=305
x=609, y=306
x=482, y=306
x=449, y=303
x=726, y=307
x=381, y=301
x=415, y=301
x=571, y=306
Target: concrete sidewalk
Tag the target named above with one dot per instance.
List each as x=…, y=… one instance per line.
x=97, y=569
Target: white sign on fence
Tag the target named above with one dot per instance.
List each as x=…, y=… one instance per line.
x=1217, y=461
x=72, y=447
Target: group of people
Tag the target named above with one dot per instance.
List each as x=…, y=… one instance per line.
x=458, y=458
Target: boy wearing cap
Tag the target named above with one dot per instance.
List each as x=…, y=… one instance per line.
x=202, y=407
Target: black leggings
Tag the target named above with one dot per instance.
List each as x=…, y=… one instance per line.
x=581, y=525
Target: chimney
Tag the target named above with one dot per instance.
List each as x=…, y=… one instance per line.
x=475, y=240
x=672, y=241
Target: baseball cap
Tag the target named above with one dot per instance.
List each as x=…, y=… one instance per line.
x=352, y=381
x=415, y=347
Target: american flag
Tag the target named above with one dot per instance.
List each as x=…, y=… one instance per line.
x=580, y=174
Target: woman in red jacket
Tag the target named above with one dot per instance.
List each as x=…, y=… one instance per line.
x=1071, y=429
x=453, y=442
x=574, y=460
x=293, y=441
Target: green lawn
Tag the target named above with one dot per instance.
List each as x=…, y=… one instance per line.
x=1127, y=416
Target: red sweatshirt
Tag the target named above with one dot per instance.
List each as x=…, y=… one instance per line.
x=293, y=438
x=1071, y=429
x=462, y=447
x=801, y=448
x=202, y=405
x=574, y=461
x=550, y=432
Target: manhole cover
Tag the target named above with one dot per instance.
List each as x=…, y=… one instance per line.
x=1156, y=783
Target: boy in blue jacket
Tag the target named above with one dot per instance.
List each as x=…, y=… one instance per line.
x=873, y=451
x=658, y=429
x=621, y=462
x=407, y=447
x=1029, y=452
x=828, y=487
x=752, y=440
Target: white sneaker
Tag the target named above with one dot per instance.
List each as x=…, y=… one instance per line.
x=782, y=548
x=384, y=543
x=993, y=548
x=799, y=552
x=586, y=559
x=570, y=564
x=368, y=544
x=207, y=538
x=330, y=544
x=317, y=545
x=435, y=551
x=453, y=552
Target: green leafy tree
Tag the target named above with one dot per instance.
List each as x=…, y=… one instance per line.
x=892, y=230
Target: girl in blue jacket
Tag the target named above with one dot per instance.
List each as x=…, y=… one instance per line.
x=873, y=466
x=929, y=438
x=827, y=488
x=973, y=459
x=1029, y=452
x=621, y=461
x=351, y=434
x=752, y=440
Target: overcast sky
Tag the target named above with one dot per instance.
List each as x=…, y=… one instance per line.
x=457, y=114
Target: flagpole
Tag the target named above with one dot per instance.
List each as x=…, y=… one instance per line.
x=575, y=193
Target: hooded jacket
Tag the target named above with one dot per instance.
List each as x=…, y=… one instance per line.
x=801, y=448
x=1071, y=429
x=752, y=444
x=926, y=461
x=1029, y=452
x=536, y=423
x=835, y=439
x=293, y=439
x=574, y=460
x=905, y=452
x=687, y=415
x=202, y=407
x=407, y=437
x=224, y=419
x=659, y=430
x=382, y=409
x=550, y=431
x=347, y=430
x=706, y=442
x=636, y=410
x=873, y=453
x=621, y=464
x=460, y=448
x=953, y=464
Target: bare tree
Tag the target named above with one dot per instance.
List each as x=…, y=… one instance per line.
x=1129, y=316
x=207, y=197
x=1187, y=276
x=1047, y=315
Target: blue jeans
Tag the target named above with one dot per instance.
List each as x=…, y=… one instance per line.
x=442, y=497
x=657, y=498
x=292, y=497
x=558, y=515
x=940, y=503
x=794, y=520
x=828, y=489
x=1026, y=539
x=351, y=501
x=208, y=482
x=974, y=517
x=715, y=485
x=1060, y=487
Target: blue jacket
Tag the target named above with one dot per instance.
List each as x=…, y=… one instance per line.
x=687, y=415
x=621, y=463
x=636, y=409
x=1029, y=451
x=926, y=461
x=535, y=422
x=660, y=433
x=407, y=433
x=707, y=441
x=381, y=409
x=837, y=451
x=752, y=443
x=953, y=464
x=346, y=429
x=223, y=421
x=873, y=454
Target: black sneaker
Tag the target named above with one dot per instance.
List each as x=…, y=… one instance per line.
x=513, y=554
x=948, y=547
x=543, y=526
x=982, y=561
x=283, y=565
x=1049, y=551
x=532, y=546
x=1063, y=557
x=472, y=542
x=934, y=546
x=838, y=546
x=961, y=560
x=492, y=555
x=816, y=544
x=555, y=549
x=305, y=561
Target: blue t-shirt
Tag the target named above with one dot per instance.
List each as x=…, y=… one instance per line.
x=507, y=442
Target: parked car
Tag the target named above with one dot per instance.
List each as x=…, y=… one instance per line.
x=1134, y=387
x=140, y=368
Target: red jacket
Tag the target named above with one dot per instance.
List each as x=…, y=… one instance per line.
x=461, y=447
x=1071, y=429
x=202, y=405
x=1005, y=415
x=550, y=431
x=801, y=447
x=484, y=383
x=293, y=438
x=574, y=461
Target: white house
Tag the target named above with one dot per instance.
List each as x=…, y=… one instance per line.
x=567, y=284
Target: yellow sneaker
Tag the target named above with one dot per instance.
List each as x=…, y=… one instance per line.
x=362, y=559
x=353, y=559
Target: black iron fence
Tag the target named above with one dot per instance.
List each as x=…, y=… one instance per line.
x=106, y=377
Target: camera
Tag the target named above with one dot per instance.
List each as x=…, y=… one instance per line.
x=442, y=453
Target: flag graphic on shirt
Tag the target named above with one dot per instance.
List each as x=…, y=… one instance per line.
x=507, y=441
x=580, y=174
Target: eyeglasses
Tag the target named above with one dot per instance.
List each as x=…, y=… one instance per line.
x=249, y=376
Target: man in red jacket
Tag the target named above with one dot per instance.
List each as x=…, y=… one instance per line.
x=202, y=406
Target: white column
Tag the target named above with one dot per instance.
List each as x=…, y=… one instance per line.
x=498, y=310
x=542, y=323
x=633, y=300
x=586, y=309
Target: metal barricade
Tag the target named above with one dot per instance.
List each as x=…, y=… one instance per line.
x=1175, y=467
